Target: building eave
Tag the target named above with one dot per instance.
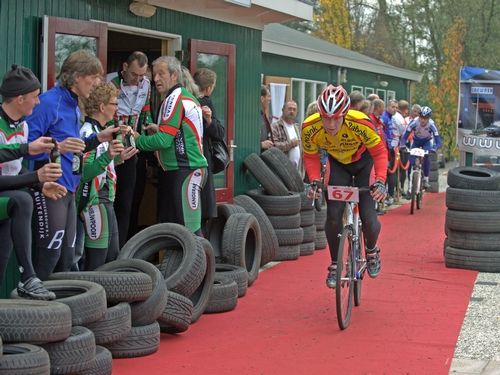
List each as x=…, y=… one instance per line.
x=256, y=16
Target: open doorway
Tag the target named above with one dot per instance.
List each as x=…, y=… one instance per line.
x=120, y=46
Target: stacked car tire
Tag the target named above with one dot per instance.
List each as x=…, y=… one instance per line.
x=59, y=328
x=285, y=207
x=23, y=323
x=320, y=241
x=238, y=243
x=472, y=217
x=184, y=269
x=433, y=174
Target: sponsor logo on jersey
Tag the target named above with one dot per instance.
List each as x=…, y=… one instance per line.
x=42, y=217
x=180, y=147
x=93, y=222
x=169, y=106
x=307, y=135
x=359, y=130
x=194, y=188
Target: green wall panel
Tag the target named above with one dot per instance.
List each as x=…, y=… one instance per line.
x=276, y=65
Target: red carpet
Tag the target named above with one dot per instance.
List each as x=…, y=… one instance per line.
x=408, y=321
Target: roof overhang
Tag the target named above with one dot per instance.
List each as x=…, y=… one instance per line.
x=309, y=54
x=249, y=13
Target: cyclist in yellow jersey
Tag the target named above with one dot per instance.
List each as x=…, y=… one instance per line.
x=354, y=148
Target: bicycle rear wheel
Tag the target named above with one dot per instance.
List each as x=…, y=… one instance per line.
x=414, y=186
x=345, y=283
x=358, y=282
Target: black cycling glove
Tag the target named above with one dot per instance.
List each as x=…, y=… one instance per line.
x=379, y=186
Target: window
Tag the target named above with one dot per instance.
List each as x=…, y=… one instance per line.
x=391, y=95
x=369, y=91
x=304, y=92
x=62, y=36
x=382, y=95
x=275, y=107
x=357, y=88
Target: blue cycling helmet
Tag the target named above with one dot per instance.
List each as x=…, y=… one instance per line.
x=425, y=112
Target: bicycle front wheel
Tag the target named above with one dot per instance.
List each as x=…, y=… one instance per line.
x=345, y=281
x=420, y=196
x=414, y=186
x=358, y=282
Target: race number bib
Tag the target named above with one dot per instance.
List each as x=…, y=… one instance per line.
x=343, y=193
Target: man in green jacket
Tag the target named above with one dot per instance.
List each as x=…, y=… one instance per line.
x=178, y=141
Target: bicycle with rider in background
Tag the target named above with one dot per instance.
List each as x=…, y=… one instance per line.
x=425, y=136
x=353, y=147
x=416, y=181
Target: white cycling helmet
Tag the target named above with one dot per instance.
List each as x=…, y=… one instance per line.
x=333, y=102
x=425, y=111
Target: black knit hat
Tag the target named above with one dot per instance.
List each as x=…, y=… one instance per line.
x=18, y=81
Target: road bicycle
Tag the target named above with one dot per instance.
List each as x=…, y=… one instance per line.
x=417, y=179
x=351, y=263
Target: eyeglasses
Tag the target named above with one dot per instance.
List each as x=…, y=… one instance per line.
x=113, y=103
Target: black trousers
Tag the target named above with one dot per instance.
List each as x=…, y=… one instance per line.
x=342, y=175
x=125, y=185
x=16, y=232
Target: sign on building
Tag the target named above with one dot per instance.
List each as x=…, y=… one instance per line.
x=478, y=128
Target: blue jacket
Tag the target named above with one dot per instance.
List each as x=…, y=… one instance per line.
x=423, y=135
x=388, y=128
x=57, y=116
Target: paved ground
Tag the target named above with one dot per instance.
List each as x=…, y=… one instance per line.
x=478, y=347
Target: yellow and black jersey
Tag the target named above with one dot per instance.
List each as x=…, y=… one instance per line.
x=356, y=136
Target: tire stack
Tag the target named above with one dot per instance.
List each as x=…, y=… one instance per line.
x=143, y=337
x=281, y=200
x=307, y=223
x=279, y=163
x=129, y=293
x=184, y=270
x=236, y=238
x=76, y=351
x=472, y=217
x=24, y=322
x=320, y=241
x=241, y=257
x=433, y=174
x=269, y=239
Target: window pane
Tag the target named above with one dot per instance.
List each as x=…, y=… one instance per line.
x=219, y=65
x=381, y=94
x=66, y=44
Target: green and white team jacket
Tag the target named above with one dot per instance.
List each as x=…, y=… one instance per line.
x=134, y=107
x=12, y=136
x=179, y=141
x=98, y=180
